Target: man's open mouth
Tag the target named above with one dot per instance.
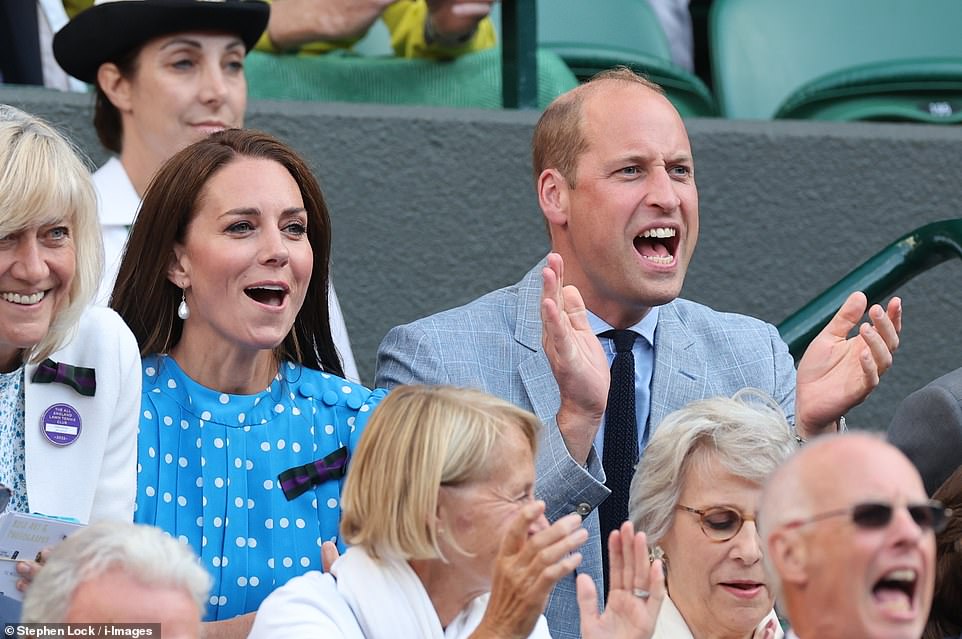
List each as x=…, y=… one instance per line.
x=895, y=591
x=658, y=245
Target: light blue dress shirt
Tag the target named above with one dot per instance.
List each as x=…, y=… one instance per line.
x=644, y=354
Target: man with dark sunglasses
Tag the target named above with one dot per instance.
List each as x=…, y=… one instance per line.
x=850, y=539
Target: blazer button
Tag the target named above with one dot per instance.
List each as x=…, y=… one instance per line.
x=583, y=509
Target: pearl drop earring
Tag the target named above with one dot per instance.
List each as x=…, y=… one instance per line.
x=183, y=311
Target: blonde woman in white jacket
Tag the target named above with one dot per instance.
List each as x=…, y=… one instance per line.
x=69, y=374
x=447, y=540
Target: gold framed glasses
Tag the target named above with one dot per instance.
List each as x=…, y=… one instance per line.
x=719, y=523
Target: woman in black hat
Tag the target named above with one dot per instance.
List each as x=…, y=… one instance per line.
x=166, y=73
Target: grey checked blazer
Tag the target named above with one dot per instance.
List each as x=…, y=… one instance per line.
x=494, y=344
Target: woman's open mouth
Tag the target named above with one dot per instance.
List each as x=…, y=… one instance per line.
x=23, y=299
x=267, y=294
x=743, y=589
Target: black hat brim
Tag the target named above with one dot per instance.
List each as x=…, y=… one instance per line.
x=106, y=31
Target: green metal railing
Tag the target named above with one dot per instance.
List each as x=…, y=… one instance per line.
x=880, y=276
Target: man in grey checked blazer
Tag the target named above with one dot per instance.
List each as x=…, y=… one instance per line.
x=615, y=182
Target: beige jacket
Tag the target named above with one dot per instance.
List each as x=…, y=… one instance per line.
x=671, y=625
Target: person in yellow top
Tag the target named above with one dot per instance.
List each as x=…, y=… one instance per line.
x=437, y=29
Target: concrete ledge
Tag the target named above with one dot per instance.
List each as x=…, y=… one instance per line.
x=433, y=207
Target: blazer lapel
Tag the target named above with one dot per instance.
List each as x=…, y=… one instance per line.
x=680, y=374
x=533, y=368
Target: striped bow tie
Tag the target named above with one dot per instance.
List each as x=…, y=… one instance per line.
x=81, y=379
x=298, y=480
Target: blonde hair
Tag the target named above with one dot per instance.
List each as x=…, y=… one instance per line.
x=419, y=439
x=43, y=180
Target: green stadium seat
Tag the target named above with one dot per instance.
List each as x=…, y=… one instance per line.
x=891, y=60
x=472, y=80
x=591, y=36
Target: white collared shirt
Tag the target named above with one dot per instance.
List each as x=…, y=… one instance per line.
x=117, y=206
x=671, y=625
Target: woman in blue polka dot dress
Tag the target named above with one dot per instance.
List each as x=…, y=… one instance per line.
x=247, y=424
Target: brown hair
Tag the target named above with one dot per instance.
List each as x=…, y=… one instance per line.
x=945, y=617
x=558, y=139
x=148, y=301
x=107, y=120
x=419, y=439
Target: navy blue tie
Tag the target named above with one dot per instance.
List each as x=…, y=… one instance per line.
x=621, y=440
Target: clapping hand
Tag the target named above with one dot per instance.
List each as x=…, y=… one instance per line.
x=576, y=358
x=837, y=372
x=634, y=596
x=532, y=558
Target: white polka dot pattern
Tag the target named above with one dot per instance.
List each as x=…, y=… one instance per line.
x=213, y=481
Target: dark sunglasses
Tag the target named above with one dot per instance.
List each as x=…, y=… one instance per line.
x=719, y=523
x=930, y=515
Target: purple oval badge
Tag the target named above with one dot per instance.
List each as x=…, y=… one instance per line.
x=61, y=424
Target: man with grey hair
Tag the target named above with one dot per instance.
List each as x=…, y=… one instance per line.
x=114, y=572
x=849, y=537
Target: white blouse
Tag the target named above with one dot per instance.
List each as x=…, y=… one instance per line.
x=671, y=625
x=12, y=453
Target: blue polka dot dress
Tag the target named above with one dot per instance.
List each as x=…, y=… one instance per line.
x=207, y=473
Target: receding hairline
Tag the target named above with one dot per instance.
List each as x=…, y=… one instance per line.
x=574, y=101
x=580, y=95
x=612, y=77
x=798, y=487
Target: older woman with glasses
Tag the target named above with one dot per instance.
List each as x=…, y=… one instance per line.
x=695, y=495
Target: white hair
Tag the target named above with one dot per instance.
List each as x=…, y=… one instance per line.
x=747, y=433
x=145, y=553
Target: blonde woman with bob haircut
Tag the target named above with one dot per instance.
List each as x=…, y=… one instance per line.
x=69, y=388
x=448, y=540
x=696, y=494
